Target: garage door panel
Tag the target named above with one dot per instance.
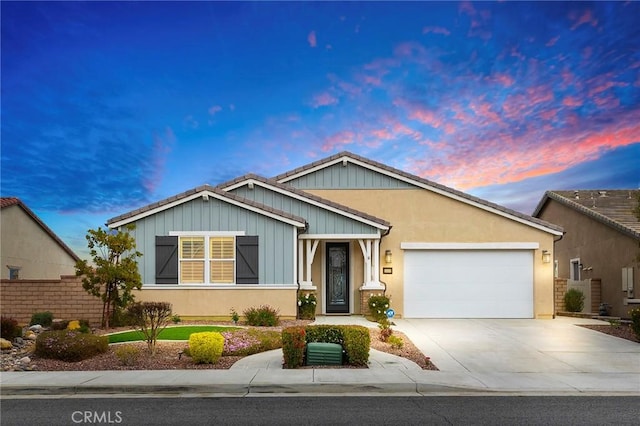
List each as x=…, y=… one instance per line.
x=468, y=284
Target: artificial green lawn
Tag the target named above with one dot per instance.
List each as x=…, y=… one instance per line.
x=170, y=333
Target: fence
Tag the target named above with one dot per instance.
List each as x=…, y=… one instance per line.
x=65, y=298
x=591, y=289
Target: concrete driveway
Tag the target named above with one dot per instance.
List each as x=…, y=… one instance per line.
x=521, y=346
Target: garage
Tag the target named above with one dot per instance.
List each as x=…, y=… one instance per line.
x=478, y=283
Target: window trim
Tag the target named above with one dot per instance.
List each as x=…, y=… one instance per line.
x=207, y=235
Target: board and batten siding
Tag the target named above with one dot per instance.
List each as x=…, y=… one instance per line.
x=276, y=257
x=351, y=176
x=321, y=221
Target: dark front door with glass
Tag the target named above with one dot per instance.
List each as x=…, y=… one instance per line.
x=337, y=288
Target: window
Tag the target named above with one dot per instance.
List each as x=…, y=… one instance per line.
x=222, y=259
x=209, y=259
x=192, y=259
x=14, y=272
x=574, y=269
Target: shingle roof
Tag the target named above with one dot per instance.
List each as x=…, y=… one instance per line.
x=611, y=207
x=13, y=201
x=306, y=195
x=417, y=179
x=163, y=203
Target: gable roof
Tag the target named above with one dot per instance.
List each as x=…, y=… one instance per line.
x=205, y=191
x=346, y=156
x=13, y=201
x=306, y=197
x=613, y=208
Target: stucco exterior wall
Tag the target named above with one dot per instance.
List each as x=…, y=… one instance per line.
x=217, y=303
x=24, y=244
x=419, y=215
x=598, y=246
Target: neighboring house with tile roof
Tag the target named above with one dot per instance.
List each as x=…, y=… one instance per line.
x=602, y=240
x=345, y=227
x=29, y=248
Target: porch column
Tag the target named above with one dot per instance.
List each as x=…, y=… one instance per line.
x=300, y=261
x=371, y=264
x=310, y=252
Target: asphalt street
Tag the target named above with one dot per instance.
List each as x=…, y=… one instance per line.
x=325, y=410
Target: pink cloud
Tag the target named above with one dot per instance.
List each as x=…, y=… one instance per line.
x=323, y=99
x=311, y=38
x=586, y=18
x=538, y=151
x=571, y=102
x=552, y=41
x=436, y=30
x=336, y=141
x=425, y=116
x=504, y=79
x=215, y=109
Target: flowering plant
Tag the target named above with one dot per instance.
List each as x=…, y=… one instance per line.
x=378, y=306
x=307, y=305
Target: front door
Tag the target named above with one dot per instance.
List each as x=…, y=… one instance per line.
x=337, y=285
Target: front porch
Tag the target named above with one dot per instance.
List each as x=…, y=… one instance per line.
x=343, y=270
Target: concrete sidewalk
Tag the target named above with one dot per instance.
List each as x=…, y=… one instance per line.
x=474, y=356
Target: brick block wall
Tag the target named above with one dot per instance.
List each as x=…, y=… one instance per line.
x=364, y=300
x=65, y=298
x=559, y=290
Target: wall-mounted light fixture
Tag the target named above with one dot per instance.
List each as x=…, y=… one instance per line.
x=387, y=256
x=546, y=256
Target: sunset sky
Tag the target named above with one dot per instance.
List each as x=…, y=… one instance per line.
x=109, y=106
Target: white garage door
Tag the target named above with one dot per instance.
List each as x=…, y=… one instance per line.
x=468, y=284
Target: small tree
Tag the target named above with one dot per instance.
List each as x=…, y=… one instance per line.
x=114, y=273
x=150, y=318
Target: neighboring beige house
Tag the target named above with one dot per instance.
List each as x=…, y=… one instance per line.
x=602, y=240
x=345, y=227
x=29, y=248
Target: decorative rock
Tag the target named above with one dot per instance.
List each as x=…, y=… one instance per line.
x=36, y=328
x=5, y=344
x=18, y=341
x=29, y=335
x=24, y=360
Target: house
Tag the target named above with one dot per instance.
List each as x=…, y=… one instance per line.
x=344, y=227
x=29, y=248
x=602, y=238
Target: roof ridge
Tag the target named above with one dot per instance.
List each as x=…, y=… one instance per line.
x=422, y=181
x=273, y=182
x=197, y=190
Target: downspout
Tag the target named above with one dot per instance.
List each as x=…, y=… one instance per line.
x=303, y=231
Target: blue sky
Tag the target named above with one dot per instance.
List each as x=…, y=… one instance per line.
x=109, y=106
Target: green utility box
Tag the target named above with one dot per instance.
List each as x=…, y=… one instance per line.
x=324, y=354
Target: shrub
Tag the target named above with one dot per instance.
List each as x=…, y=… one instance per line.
x=324, y=333
x=385, y=329
x=150, y=318
x=378, y=306
x=356, y=344
x=635, y=321
x=307, y=306
x=127, y=354
x=234, y=316
x=262, y=316
x=176, y=319
x=206, y=347
x=250, y=341
x=43, y=318
x=73, y=325
x=9, y=328
x=70, y=346
x=573, y=300
x=293, y=344
x=395, y=342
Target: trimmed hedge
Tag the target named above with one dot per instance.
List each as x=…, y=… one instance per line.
x=354, y=339
x=70, y=345
x=293, y=346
